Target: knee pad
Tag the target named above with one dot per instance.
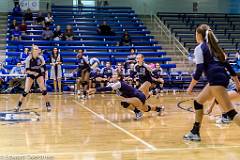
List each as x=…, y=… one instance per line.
x=197, y=106
x=154, y=92
x=125, y=104
x=44, y=92
x=24, y=94
x=231, y=114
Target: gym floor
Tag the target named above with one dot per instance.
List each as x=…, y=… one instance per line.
x=99, y=128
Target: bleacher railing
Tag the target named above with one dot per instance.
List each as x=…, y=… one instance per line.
x=169, y=38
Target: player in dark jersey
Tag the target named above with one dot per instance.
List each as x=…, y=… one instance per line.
x=95, y=77
x=83, y=72
x=106, y=73
x=211, y=60
x=35, y=69
x=133, y=99
x=130, y=75
x=143, y=71
x=158, y=79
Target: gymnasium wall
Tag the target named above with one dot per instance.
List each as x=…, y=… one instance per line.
x=6, y=5
x=143, y=6
x=148, y=6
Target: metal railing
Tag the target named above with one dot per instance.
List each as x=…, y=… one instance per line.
x=173, y=43
x=165, y=32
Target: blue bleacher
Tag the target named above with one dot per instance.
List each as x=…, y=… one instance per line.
x=224, y=26
x=85, y=21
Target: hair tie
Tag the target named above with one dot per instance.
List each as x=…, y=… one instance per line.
x=206, y=35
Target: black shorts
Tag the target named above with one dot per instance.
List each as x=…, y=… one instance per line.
x=140, y=96
x=79, y=73
x=218, y=77
x=34, y=77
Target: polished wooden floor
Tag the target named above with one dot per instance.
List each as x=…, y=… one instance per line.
x=98, y=128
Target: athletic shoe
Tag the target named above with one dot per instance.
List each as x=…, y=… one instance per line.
x=223, y=120
x=160, y=110
x=139, y=115
x=48, y=106
x=192, y=137
x=17, y=109
x=83, y=97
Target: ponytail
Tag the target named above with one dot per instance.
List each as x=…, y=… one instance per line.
x=215, y=48
x=210, y=38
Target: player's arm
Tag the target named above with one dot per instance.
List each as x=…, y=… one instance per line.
x=108, y=88
x=199, y=68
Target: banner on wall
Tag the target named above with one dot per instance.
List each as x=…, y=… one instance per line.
x=32, y=4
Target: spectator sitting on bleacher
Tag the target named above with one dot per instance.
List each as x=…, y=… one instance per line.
x=16, y=34
x=106, y=73
x=17, y=11
x=28, y=16
x=95, y=77
x=13, y=25
x=57, y=34
x=3, y=79
x=105, y=30
x=19, y=69
x=48, y=19
x=120, y=69
x=125, y=40
x=17, y=81
x=24, y=55
x=68, y=35
x=112, y=59
x=131, y=58
x=157, y=77
x=23, y=27
x=40, y=19
x=130, y=74
x=47, y=34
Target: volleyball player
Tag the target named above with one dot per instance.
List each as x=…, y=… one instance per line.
x=134, y=99
x=157, y=78
x=106, y=73
x=83, y=72
x=211, y=60
x=35, y=69
x=143, y=72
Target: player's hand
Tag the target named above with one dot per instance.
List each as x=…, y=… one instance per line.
x=209, y=110
x=91, y=91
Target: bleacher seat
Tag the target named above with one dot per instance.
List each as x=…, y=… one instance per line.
x=85, y=21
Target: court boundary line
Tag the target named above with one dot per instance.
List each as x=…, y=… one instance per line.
x=122, y=151
x=151, y=147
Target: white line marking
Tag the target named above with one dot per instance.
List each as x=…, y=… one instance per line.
x=118, y=127
x=121, y=151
